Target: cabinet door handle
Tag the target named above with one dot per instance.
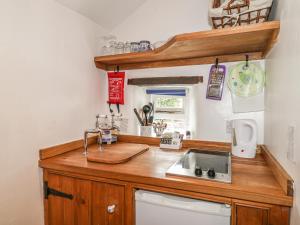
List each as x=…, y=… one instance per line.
x=111, y=208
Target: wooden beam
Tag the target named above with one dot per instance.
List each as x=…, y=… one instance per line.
x=150, y=81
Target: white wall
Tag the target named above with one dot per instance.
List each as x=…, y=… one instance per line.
x=159, y=20
x=283, y=94
x=49, y=92
x=209, y=116
x=106, y=13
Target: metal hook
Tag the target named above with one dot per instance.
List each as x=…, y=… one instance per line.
x=247, y=60
x=110, y=109
x=117, y=69
x=217, y=63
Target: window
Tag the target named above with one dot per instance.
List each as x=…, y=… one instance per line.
x=171, y=105
x=168, y=104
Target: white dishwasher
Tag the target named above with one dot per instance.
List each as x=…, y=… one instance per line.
x=154, y=208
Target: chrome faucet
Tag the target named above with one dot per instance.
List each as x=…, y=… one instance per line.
x=98, y=131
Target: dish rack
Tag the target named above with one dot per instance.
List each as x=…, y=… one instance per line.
x=232, y=13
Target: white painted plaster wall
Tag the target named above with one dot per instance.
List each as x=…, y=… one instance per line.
x=49, y=92
x=209, y=117
x=283, y=94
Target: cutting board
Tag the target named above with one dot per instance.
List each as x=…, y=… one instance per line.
x=116, y=153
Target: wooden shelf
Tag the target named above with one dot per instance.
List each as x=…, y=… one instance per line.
x=229, y=45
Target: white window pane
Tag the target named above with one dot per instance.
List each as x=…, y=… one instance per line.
x=168, y=104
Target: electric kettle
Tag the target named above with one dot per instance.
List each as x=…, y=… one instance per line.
x=244, y=138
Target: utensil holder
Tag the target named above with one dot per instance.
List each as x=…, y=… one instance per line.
x=146, y=131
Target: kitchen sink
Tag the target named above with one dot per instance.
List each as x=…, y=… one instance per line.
x=204, y=164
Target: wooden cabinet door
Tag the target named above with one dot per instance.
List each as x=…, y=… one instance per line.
x=251, y=213
x=115, y=201
x=98, y=204
x=246, y=215
x=65, y=211
x=107, y=204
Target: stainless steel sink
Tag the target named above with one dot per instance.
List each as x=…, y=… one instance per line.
x=204, y=164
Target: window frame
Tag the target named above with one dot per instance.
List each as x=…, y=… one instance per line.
x=182, y=114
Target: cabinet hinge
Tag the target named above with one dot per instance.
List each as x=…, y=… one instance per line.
x=50, y=191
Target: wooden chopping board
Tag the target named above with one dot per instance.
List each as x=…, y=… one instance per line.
x=116, y=153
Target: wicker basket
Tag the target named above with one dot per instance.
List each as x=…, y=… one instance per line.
x=245, y=16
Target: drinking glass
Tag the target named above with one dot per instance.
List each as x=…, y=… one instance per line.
x=145, y=46
x=134, y=46
x=119, y=48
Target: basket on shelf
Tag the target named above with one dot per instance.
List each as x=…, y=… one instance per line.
x=229, y=13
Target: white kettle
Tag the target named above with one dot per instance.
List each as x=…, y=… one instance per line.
x=244, y=138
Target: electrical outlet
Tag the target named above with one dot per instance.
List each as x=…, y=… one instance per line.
x=291, y=144
x=228, y=126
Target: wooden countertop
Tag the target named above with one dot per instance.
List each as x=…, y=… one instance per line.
x=252, y=179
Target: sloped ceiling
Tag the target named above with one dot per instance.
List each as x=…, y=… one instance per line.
x=107, y=13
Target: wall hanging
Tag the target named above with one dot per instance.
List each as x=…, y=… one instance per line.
x=116, y=87
x=216, y=81
x=246, y=83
